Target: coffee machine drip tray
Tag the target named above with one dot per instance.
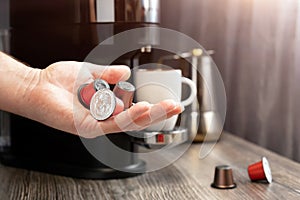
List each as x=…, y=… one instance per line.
x=73, y=170
x=159, y=139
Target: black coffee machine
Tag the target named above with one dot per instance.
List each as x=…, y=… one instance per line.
x=44, y=32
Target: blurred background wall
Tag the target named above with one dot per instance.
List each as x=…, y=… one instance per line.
x=4, y=25
x=4, y=14
x=257, y=45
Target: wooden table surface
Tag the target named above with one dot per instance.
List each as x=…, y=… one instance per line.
x=187, y=178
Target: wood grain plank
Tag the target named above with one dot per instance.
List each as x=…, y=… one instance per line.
x=187, y=178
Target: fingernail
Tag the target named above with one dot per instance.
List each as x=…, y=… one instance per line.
x=181, y=107
x=176, y=104
x=171, y=102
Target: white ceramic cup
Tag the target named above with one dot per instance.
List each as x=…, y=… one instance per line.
x=154, y=86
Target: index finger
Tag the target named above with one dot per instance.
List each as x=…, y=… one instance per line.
x=112, y=74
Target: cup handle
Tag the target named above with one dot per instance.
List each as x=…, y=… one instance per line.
x=193, y=93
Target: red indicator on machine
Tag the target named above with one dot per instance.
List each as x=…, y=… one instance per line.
x=160, y=138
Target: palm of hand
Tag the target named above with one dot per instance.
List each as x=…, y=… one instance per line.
x=56, y=95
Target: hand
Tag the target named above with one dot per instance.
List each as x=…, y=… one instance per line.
x=55, y=101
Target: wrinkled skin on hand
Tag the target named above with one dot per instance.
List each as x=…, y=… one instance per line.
x=54, y=96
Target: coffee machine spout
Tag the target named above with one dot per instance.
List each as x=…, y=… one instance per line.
x=159, y=139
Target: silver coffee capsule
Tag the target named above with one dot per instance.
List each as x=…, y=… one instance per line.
x=100, y=84
x=103, y=104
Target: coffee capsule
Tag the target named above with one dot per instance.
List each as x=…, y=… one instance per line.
x=103, y=104
x=223, y=178
x=124, y=91
x=100, y=84
x=260, y=171
x=86, y=91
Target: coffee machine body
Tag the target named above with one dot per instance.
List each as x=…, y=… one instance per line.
x=44, y=32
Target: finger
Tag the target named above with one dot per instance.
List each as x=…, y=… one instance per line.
x=121, y=121
x=158, y=112
x=162, y=110
x=119, y=106
x=114, y=124
x=126, y=119
x=112, y=74
x=138, y=117
x=177, y=110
